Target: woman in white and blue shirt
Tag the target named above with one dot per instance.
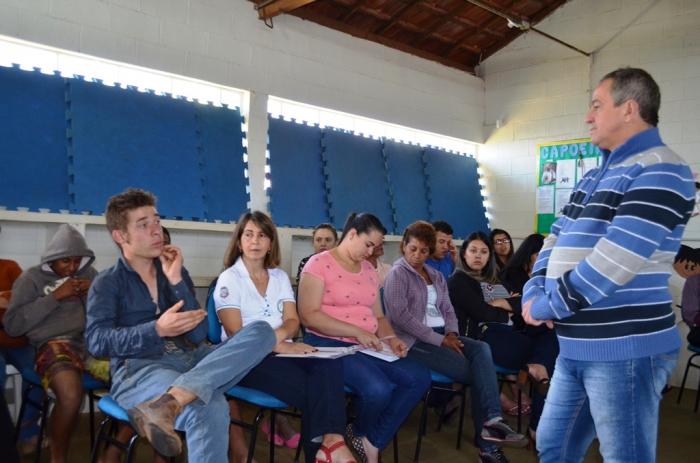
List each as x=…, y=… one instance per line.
x=252, y=289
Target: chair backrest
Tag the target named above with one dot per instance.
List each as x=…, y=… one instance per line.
x=213, y=323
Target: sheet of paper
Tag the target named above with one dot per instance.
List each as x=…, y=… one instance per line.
x=545, y=199
x=566, y=171
x=561, y=199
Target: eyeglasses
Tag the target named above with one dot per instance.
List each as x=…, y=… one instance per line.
x=502, y=241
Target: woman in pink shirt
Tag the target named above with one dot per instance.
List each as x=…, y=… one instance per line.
x=339, y=302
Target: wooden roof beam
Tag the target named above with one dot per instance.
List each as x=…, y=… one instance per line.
x=461, y=20
x=358, y=4
x=441, y=21
x=395, y=17
x=270, y=8
x=368, y=35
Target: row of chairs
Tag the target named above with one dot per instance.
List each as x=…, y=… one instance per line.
x=114, y=414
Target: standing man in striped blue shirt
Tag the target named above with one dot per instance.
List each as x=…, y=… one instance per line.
x=601, y=280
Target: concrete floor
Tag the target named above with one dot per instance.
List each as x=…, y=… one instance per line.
x=679, y=440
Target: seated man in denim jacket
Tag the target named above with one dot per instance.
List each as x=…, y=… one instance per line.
x=143, y=316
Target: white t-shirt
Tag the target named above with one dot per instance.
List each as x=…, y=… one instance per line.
x=236, y=290
x=433, y=317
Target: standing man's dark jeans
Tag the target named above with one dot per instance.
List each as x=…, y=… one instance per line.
x=474, y=369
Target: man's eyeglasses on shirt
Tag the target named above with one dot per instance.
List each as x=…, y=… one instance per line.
x=503, y=241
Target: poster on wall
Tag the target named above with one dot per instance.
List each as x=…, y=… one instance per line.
x=560, y=165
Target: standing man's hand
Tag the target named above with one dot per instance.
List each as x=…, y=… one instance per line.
x=171, y=260
x=526, y=307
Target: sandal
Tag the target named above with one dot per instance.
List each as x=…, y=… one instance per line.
x=329, y=452
x=356, y=444
x=525, y=409
x=279, y=440
x=540, y=385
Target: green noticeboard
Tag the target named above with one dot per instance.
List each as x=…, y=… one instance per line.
x=560, y=165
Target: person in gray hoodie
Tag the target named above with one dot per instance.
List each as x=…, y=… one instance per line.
x=48, y=306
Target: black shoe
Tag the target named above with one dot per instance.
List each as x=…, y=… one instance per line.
x=495, y=456
x=500, y=432
x=355, y=443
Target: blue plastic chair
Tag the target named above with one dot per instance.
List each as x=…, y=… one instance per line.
x=440, y=382
x=90, y=385
x=114, y=414
x=259, y=399
x=696, y=350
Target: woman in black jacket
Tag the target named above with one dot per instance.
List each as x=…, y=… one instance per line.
x=485, y=310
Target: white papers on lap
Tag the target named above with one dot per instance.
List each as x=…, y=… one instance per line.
x=385, y=354
x=326, y=352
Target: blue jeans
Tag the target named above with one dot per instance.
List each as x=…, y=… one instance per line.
x=474, y=369
x=207, y=372
x=616, y=401
x=385, y=392
x=22, y=358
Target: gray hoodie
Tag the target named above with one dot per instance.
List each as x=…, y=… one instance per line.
x=33, y=310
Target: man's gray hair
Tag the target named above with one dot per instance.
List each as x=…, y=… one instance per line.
x=636, y=84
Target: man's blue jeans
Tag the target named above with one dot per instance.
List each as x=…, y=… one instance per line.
x=207, y=372
x=617, y=402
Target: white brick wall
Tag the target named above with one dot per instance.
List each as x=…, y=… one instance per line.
x=538, y=90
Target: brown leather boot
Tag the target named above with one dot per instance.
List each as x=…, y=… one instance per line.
x=155, y=420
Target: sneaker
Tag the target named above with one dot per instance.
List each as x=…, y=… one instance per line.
x=495, y=456
x=500, y=432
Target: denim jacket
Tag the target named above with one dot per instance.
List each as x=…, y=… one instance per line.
x=121, y=317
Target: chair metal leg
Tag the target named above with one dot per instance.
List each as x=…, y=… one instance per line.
x=130, y=449
x=297, y=454
x=100, y=433
x=685, y=376
x=396, y=447
x=254, y=435
x=462, y=407
x=271, y=450
x=520, y=410
x=421, y=426
x=91, y=405
x=42, y=427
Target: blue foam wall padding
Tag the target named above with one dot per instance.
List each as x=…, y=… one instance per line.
x=32, y=140
x=223, y=166
x=124, y=138
x=454, y=191
x=407, y=183
x=356, y=177
x=298, y=191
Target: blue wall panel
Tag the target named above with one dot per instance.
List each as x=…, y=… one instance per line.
x=124, y=138
x=454, y=191
x=356, y=177
x=220, y=137
x=298, y=191
x=32, y=140
x=407, y=183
